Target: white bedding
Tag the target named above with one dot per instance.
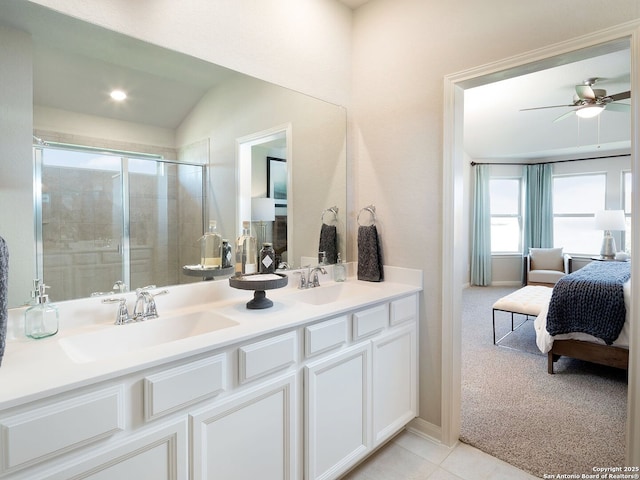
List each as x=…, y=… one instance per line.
x=545, y=341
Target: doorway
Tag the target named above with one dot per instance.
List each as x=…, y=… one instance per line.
x=264, y=170
x=455, y=243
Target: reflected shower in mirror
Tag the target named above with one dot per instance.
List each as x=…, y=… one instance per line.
x=108, y=218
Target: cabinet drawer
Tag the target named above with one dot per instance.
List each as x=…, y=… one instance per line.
x=57, y=427
x=403, y=310
x=325, y=336
x=261, y=358
x=370, y=321
x=173, y=389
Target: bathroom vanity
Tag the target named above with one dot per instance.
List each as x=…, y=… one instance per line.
x=303, y=390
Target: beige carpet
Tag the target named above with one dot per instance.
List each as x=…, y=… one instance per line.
x=513, y=409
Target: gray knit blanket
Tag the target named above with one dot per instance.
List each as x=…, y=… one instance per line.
x=590, y=300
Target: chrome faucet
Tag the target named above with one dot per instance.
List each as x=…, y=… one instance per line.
x=315, y=281
x=144, y=308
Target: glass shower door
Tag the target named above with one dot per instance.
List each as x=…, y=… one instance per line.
x=81, y=223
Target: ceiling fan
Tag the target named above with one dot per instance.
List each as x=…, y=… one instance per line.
x=590, y=102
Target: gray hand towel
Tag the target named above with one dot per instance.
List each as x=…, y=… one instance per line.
x=4, y=293
x=328, y=243
x=369, y=257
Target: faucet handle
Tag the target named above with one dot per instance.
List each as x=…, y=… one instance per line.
x=122, y=315
x=152, y=310
x=303, y=279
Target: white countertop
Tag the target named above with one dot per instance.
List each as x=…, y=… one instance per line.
x=33, y=369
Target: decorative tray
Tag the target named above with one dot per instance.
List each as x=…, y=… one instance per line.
x=259, y=282
x=207, y=273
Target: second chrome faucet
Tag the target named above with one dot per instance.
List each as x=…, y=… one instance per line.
x=310, y=279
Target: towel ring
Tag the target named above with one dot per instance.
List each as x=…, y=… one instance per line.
x=372, y=211
x=333, y=210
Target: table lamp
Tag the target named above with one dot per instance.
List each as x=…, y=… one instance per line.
x=609, y=220
x=262, y=210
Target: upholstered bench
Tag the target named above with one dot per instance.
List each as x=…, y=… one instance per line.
x=527, y=301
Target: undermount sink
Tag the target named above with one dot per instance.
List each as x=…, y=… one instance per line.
x=120, y=339
x=336, y=292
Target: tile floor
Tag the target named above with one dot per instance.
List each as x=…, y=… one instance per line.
x=411, y=457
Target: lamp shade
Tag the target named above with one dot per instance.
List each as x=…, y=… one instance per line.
x=610, y=220
x=263, y=209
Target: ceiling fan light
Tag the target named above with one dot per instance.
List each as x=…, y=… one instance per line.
x=589, y=111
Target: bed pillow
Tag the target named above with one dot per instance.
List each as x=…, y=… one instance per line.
x=546, y=259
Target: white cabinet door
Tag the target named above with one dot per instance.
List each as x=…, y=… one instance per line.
x=248, y=436
x=158, y=453
x=394, y=382
x=337, y=391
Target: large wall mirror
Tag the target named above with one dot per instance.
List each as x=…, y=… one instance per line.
x=123, y=191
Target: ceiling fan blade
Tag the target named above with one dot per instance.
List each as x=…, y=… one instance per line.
x=585, y=92
x=564, y=115
x=620, y=96
x=618, y=107
x=540, y=108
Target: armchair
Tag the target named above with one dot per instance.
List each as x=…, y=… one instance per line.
x=545, y=266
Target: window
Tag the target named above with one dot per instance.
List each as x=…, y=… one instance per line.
x=576, y=198
x=506, y=216
x=626, y=205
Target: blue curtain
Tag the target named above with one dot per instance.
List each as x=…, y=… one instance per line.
x=481, y=238
x=538, y=207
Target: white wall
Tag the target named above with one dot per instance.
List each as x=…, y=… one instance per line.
x=402, y=51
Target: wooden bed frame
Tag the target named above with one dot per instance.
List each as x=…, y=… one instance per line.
x=591, y=352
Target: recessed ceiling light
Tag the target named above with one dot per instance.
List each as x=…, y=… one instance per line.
x=118, y=95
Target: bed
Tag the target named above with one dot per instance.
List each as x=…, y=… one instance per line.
x=603, y=338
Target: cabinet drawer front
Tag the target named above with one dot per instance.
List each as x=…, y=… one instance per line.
x=173, y=389
x=325, y=336
x=403, y=310
x=370, y=321
x=268, y=356
x=55, y=428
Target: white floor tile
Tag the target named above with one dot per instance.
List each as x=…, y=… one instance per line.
x=409, y=456
x=442, y=474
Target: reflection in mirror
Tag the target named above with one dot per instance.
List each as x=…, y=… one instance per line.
x=105, y=218
x=179, y=109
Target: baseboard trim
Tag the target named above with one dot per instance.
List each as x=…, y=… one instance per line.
x=506, y=283
x=425, y=429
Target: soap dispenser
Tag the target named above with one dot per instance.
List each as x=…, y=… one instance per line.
x=41, y=319
x=339, y=272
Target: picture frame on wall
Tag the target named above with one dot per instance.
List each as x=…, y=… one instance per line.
x=277, y=180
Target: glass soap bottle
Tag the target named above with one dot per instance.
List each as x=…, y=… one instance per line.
x=211, y=247
x=267, y=258
x=339, y=272
x=246, y=251
x=41, y=319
